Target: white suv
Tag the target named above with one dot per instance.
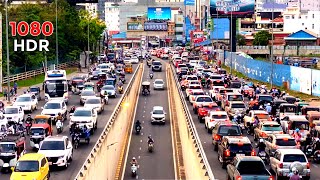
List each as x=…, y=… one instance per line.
x=13, y=114
x=85, y=116
x=158, y=115
x=54, y=107
x=57, y=149
x=213, y=118
x=28, y=102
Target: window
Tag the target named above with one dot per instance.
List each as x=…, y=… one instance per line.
x=43, y=162
x=312, y=26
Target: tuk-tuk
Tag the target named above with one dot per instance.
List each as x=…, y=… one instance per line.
x=305, y=109
x=287, y=109
x=89, y=86
x=291, y=123
x=313, y=116
x=299, y=106
x=36, y=91
x=41, y=119
x=278, y=102
x=110, y=81
x=145, y=88
x=38, y=133
x=128, y=68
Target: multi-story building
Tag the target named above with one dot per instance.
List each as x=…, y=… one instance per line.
x=92, y=8
x=112, y=18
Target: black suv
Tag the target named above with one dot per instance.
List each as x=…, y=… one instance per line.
x=232, y=146
x=156, y=66
x=224, y=128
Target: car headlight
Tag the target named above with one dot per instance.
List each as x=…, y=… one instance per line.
x=61, y=158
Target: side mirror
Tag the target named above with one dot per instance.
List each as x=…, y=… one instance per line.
x=37, y=146
x=42, y=108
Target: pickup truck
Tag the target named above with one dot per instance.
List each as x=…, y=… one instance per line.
x=248, y=167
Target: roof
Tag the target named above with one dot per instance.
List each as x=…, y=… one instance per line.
x=290, y=151
x=31, y=156
x=274, y=6
x=218, y=112
x=54, y=138
x=270, y=123
x=249, y=158
x=40, y=125
x=42, y=116
x=157, y=108
x=302, y=35
x=237, y=139
x=83, y=108
x=259, y=112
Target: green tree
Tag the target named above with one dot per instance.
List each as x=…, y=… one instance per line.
x=241, y=41
x=261, y=38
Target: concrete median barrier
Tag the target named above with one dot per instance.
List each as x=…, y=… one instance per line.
x=103, y=161
x=194, y=163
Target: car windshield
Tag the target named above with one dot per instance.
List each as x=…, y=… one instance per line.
x=156, y=63
x=219, y=116
x=265, y=98
x=11, y=110
x=240, y=146
x=79, y=83
x=7, y=148
x=88, y=93
x=85, y=113
x=93, y=101
x=235, y=98
x=195, y=87
x=52, y=106
x=96, y=72
x=294, y=157
x=192, y=78
x=204, y=99
x=237, y=106
x=235, y=85
x=286, y=142
x=52, y=145
x=271, y=127
x=37, y=131
x=107, y=88
x=223, y=91
x=23, y=99
x=182, y=65
x=251, y=167
x=229, y=130
x=302, y=125
x=33, y=89
x=158, y=82
x=215, y=77
x=262, y=116
x=158, y=112
x=40, y=121
x=27, y=166
x=198, y=93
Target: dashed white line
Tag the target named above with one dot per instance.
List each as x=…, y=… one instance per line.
x=141, y=134
x=144, y=111
x=144, y=107
x=204, y=142
x=139, y=157
x=143, y=121
x=137, y=177
x=140, y=148
x=314, y=165
x=141, y=140
x=143, y=116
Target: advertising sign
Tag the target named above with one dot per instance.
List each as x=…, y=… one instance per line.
x=159, y=13
x=239, y=8
x=134, y=26
x=152, y=26
x=189, y=2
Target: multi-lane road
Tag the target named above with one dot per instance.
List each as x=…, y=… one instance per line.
x=160, y=163
x=82, y=152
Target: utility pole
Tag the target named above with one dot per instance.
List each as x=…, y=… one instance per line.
x=57, y=50
x=231, y=39
x=88, y=56
x=7, y=42
x=0, y=52
x=271, y=49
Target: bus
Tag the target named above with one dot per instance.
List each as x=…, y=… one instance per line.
x=56, y=85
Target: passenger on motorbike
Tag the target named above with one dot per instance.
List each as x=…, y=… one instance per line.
x=261, y=146
x=294, y=175
x=134, y=161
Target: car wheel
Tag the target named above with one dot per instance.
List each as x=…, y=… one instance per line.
x=70, y=159
x=209, y=130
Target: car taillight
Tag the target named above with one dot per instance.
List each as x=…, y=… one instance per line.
x=227, y=152
x=270, y=178
x=216, y=137
x=253, y=153
x=238, y=178
x=193, y=98
x=275, y=146
x=281, y=165
x=308, y=165
x=262, y=134
x=211, y=120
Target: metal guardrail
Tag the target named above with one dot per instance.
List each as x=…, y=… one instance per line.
x=193, y=131
x=33, y=73
x=106, y=129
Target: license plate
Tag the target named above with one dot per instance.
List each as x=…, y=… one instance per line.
x=310, y=150
x=318, y=155
x=239, y=155
x=50, y=163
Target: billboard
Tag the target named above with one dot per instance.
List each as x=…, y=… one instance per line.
x=239, y=8
x=159, y=13
x=189, y=2
x=134, y=26
x=153, y=26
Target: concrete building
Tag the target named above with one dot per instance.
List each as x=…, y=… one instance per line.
x=92, y=8
x=112, y=18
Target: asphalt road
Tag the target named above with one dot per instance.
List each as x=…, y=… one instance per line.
x=158, y=164
x=212, y=156
x=83, y=150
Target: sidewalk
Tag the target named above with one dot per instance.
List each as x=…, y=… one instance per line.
x=21, y=90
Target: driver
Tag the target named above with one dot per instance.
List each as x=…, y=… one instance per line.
x=138, y=124
x=120, y=84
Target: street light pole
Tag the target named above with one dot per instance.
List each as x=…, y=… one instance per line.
x=7, y=42
x=57, y=50
x=88, y=44
x=271, y=49
x=231, y=29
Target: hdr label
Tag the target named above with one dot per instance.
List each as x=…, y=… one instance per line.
x=35, y=29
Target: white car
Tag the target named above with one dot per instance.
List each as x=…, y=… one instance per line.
x=85, y=94
x=94, y=103
x=134, y=60
x=158, y=115
x=57, y=149
x=110, y=90
x=54, y=107
x=85, y=116
x=13, y=114
x=213, y=118
x=28, y=102
x=194, y=94
x=158, y=84
x=127, y=60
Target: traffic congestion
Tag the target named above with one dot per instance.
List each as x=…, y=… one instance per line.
x=253, y=132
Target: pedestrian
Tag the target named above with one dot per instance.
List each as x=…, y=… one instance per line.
x=15, y=86
x=5, y=93
x=79, y=67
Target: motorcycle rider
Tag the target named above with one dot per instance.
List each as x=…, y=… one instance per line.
x=73, y=128
x=261, y=146
x=150, y=140
x=151, y=74
x=268, y=108
x=307, y=142
x=203, y=81
x=29, y=119
x=316, y=145
x=138, y=124
x=73, y=108
x=134, y=161
x=294, y=175
x=59, y=117
x=297, y=135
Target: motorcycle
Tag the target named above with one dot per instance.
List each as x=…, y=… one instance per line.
x=263, y=156
x=120, y=89
x=309, y=150
x=151, y=75
x=316, y=156
x=28, y=126
x=134, y=169
x=150, y=147
x=59, y=128
x=138, y=129
x=76, y=140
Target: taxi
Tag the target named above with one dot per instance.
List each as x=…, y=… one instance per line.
x=33, y=166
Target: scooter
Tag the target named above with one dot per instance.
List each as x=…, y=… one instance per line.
x=76, y=140
x=151, y=75
x=59, y=127
x=316, y=156
x=309, y=150
x=150, y=147
x=138, y=129
x=120, y=89
x=263, y=156
x=134, y=169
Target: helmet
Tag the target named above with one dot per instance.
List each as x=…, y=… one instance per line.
x=133, y=158
x=268, y=104
x=149, y=136
x=261, y=140
x=29, y=115
x=59, y=114
x=297, y=130
x=295, y=170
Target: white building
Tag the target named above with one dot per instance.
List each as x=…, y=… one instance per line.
x=112, y=17
x=92, y=8
x=294, y=20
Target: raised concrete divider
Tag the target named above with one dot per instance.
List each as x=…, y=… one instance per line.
x=102, y=162
x=195, y=163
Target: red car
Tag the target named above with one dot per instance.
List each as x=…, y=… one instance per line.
x=204, y=110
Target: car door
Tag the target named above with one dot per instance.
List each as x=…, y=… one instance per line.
x=44, y=168
x=64, y=108
x=20, y=113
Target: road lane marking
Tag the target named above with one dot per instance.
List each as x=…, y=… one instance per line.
x=144, y=107
x=137, y=177
x=314, y=165
x=143, y=116
x=140, y=148
x=144, y=111
x=141, y=134
x=138, y=157
x=141, y=140
x=143, y=121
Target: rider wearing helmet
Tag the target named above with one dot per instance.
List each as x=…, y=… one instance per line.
x=294, y=175
x=316, y=145
x=138, y=124
x=297, y=135
x=261, y=146
x=134, y=161
x=150, y=140
x=29, y=119
x=73, y=108
x=59, y=117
